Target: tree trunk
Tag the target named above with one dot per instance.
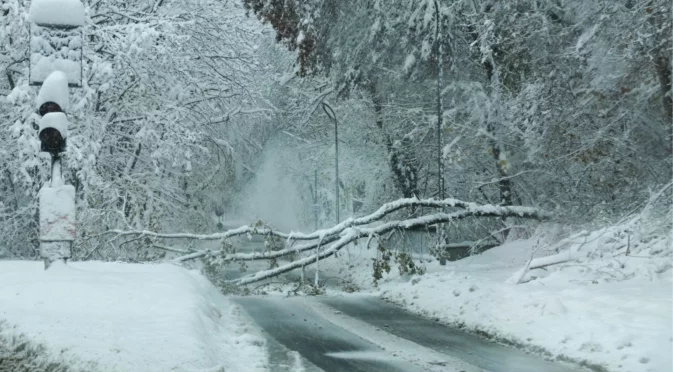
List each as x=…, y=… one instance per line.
x=662, y=64
x=401, y=157
x=661, y=54
x=366, y=232
x=504, y=182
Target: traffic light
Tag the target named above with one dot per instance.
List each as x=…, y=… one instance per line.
x=53, y=132
x=56, y=62
x=53, y=126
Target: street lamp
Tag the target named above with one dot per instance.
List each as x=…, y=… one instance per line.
x=330, y=113
x=55, y=64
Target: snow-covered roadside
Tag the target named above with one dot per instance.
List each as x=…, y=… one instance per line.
x=611, y=321
x=19, y=353
x=126, y=317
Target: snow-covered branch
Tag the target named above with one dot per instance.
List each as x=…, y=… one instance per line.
x=243, y=230
x=332, y=234
x=261, y=255
x=335, y=233
x=352, y=234
x=383, y=211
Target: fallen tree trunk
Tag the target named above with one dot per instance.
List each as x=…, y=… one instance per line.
x=473, y=210
x=320, y=237
x=260, y=255
x=352, y=234
x=385, y=210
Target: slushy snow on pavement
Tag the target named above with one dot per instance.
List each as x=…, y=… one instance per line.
x=127, y=317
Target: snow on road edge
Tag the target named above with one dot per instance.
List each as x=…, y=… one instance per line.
x=571, y=312
x=18, y=353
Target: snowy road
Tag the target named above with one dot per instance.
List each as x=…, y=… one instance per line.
x=364, y=333
x=321, y=343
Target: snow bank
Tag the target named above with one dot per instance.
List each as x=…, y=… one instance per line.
x=615, y=316
x=127, y=317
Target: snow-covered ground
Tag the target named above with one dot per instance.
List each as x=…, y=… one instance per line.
x=602, y=309
x=126, y=317
x=622, y=325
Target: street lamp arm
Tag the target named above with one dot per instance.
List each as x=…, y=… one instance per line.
x=328, y=110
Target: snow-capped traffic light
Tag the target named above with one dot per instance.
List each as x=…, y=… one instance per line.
x=52, y=101
x=53, y=132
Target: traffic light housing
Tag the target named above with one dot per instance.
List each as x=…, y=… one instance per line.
x=48, y=107
x=52, y=101
x=53, y=128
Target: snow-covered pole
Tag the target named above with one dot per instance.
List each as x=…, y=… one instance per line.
x=56, y=34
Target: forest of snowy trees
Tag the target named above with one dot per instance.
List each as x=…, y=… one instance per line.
x=561, y=105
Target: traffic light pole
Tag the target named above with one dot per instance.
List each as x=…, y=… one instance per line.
x=56, y=175
x=57, y=216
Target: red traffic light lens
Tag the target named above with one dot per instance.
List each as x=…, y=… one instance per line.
x=48, y=107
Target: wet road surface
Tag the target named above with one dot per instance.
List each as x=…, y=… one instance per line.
x=474, y=350
x=365, y=333
x=320, y=342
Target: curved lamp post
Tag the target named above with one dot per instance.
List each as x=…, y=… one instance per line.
x=330, y=113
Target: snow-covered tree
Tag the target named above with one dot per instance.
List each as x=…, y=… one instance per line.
x=168, y=115
x=541, y=102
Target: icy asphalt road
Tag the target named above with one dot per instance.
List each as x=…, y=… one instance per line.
x=364, y=333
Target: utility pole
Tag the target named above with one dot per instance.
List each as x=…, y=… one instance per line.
x=55, y=33
x=315, y=198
